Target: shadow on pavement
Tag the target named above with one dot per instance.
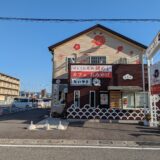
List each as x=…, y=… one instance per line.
x=34, y=115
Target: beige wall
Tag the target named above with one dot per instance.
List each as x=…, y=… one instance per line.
x=9, y=87
x=109, y=49
x=2, y=98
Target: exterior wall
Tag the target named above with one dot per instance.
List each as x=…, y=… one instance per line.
x=9, y=87
x=85, y=111
x=118, y=71
x=113, y=48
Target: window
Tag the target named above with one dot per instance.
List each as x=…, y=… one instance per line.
x=92, y=99
x=122, y=61
x=128, y=100
x=131, y=100
x=98, y=60
x=69, y=60
x=77, y=98
x=141, y=99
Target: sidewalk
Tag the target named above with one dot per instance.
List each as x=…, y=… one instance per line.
x=15, y=127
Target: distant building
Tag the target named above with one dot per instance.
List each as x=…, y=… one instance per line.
x=43, y=93
x=9, y=87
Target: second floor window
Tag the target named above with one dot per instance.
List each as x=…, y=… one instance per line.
x=98, y=60
x=69, y=60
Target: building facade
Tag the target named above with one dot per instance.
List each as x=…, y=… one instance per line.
x=9, y=87
x=98, y=74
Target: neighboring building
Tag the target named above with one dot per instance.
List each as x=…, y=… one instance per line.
x=97, y=74
x=44, y=93
x=9, y=87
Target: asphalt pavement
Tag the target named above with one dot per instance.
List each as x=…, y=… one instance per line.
x=61, y=153
x=14, y=126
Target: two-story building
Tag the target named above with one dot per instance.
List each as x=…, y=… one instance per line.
x=98, y=74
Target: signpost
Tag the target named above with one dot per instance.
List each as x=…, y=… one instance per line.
x=153, y=47
x=150, y=52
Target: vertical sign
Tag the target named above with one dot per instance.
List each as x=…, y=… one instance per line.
x=155, y=78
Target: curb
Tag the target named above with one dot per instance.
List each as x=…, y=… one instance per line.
x=78, y=142
x=105, y=121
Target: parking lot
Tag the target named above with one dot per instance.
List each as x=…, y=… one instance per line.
x=14, y=126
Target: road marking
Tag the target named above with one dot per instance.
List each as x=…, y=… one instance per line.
x=72, y=146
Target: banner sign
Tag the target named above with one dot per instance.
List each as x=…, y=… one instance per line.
x=155, y=89
x=91, y=71
x=154, y=46
x=155, y=78
x=81, y=82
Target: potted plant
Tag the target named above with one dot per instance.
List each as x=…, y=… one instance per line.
x=147, y=119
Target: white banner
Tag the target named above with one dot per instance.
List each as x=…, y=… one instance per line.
x=81, y=82
x=92, y=68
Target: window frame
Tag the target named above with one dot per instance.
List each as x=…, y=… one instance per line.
x=98, y=59
x=67, y=58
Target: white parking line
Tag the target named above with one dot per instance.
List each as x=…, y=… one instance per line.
x=72, y=146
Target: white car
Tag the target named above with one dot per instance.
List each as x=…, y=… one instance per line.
x=47, y=102
x=39, y=103
x=22, y=103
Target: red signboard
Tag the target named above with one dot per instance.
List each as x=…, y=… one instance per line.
x=155, y=89
x=91, y=71
x=155, y=78
x=80, y=74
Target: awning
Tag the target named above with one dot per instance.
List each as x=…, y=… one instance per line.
x=125, y=88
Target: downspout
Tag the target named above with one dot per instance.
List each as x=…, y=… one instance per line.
x=149, y=91
x=52, y=103
x=143, y=80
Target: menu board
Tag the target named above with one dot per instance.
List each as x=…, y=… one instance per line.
x=115, y=99
x=104, y=98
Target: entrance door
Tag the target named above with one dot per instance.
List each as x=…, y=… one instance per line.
x=77, y=98
x=92, y=99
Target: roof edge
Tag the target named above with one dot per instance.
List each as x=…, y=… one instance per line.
x=9, y=76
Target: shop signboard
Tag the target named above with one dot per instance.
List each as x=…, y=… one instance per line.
x=81, y=82
x=91, y=71
x=153, y=47
x=155, y=78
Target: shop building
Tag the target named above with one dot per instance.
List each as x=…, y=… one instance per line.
x=9, y=87
x=98, y=74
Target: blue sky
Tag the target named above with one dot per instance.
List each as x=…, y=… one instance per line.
x=24, y=45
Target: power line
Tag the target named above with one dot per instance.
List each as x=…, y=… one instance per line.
x=78, y=20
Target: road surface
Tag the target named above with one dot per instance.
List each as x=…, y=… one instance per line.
x=77, y=153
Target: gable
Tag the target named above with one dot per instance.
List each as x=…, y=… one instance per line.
x=107, y=30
